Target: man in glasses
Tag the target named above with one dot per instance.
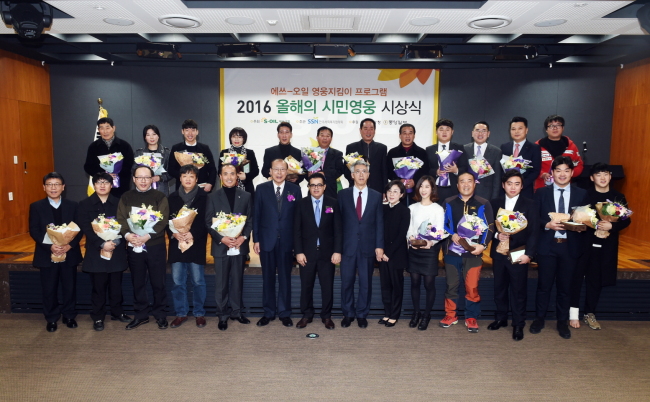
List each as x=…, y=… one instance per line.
x=488, y=187
x=152, y=259
x=317, y=244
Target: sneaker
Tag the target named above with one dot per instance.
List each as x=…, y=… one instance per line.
x=472, y=325
x=590, y=319
x=448, y=321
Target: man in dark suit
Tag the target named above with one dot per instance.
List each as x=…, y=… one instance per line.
x=229, y=266
x=333, y=167
x=373, y=152
x=511, y=278
x=363, y=243
x=558, y=249
x=488, y=187
x=444, y=133
x=275, y=202
x=520, y=146
x=281, y=151
x=317, y=244
x=208, y=173
x=55, y=209
x=407, y=147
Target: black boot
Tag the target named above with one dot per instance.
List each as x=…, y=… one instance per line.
x=424, y=324
x=415, y=319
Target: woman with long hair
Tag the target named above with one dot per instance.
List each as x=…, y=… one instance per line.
x=152, y=146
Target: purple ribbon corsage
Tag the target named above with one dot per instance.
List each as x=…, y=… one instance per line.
x=291, y=198
x=329, y=210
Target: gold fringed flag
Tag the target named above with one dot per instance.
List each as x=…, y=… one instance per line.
x=102, y=113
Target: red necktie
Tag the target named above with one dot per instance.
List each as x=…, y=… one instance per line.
x=359, y=206
x=516, y=154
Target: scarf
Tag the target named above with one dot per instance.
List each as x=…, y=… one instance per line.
x=188, y=198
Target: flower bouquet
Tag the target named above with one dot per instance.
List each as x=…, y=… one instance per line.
x=427, y=231
x=107, y=229
x=589, y=217
x=350, y=159
x=294, y=167
x=152, y=160
x=480, y=168
x=191, y=158
x=181, y=223
x=141, y=222
x=611, y=211
x=510, y=222
x=112, y=163
x=312, y=158
x=235, y=159
x=469, y=227
x=60, y=235
x=406, y=167
x=230, y=225
x=519, y=164
x=446, y=158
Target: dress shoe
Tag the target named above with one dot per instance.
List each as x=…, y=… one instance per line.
x=518, y=333
x=346, y=321
x=200, y=322
x=264, y=321
x=162, y=323
x=51, y=326
x=362, y=322
x=121, y=318
x=223, y=325
x=70, y=322
x=136, y=323
x=286, y=321
x=303, y=322
x=391, y=324
x=329, y=324
x=415, y=320
x=563, y=330
x=178, y=321
x=494, y=325
x=537, y=326
x=241, y=319
x=98, y=325
x=424, y=324
x=383, y=321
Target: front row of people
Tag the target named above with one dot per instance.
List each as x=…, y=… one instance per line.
x=354, y=231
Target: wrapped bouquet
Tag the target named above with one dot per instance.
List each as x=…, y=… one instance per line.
x=230, y=225
x=152, y=160
x=426, y=231
x=191, y=158
x=350, y=159
x=235, y=159
x=294, y=167
x=511, y=163
x=312, y=158
x=509, y=222
x=480, y=168
x=181, y=223
x=446, y=158
x=141, y=222
x=60, y=235
x=469, y=227
x=611, y=211
x=406, y=167
x=586, y=216
x=112, y=163
x=107, y=229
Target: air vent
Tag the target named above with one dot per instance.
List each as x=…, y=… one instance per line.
x=489, y=22
x=330, y=22
x=180, y=21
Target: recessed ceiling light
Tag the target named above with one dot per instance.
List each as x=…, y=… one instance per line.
x=272, y=22
x=424, y=21
x=240, y=20
x=180, y=21
x=550, y=23
x=489, y=22
x=98, y=8
x=123, y=22
x=579, y=4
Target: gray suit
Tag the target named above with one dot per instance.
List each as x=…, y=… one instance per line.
x=229, y=268
x=488, y=187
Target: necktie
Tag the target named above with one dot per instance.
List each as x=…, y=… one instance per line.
x=317, y=212
x=278, y=196
x=560, y=206
x=516, y=154
x=478, y=151
x=359, y=206
x=444, y=147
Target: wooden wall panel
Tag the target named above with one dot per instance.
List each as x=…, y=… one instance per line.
x=37, y=152
x=12, y=214
x=631, y=144
x=24, y=79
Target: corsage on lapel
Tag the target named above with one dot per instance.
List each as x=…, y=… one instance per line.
x=291, y=198
x=329, y=210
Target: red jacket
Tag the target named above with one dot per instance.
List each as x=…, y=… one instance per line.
x=547, y=160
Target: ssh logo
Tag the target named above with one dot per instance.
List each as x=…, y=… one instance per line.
x=312, y=121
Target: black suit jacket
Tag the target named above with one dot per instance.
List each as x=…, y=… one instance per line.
x=488, y=187
x=333, y=169
x=99, y=148
x=196, y=253
x=306, y=233
x=273, y=153
x=529, y=151
x=375, y=154
x=527, y=237
x=218, y=202
x=40, y=215
x=253, y=171
x=207, y=174
x=396, y=226
x=399, y=152
x=434, y=165
x=269, y=224
x=545, y=203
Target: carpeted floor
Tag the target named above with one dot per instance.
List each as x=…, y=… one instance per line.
x=248, y=363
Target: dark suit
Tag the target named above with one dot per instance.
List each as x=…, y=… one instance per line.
x=207, y=174
x=375, y=154
x=229, y=268
x=273, y=230
x=99, y=148
x=557, y=261
x=333, y=169
x=360, y=239
x=399, y=152
x=529, y=151
x=306, y=235
x=434, y=165
x=510, y=280
x=40, y=215
x=253, y=169
x=488, y=187
x=273, y=153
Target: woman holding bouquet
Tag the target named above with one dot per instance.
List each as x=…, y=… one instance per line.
x=152, y=146
x=426, y=215
x=245, y=173
x=105, y=274
x=393, y=262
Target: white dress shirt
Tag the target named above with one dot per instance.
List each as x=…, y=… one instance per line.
x=511, y=202
x=556, y=199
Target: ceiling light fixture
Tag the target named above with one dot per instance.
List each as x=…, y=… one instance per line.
x=240, y=21
x=550, y=23
x=489, y=22
x=238, y=50
x=423, y=52
x=332, y=51
x=158, y=51
x=424, y=21
x=180, y=21
x=272, y=22
x=123, y=22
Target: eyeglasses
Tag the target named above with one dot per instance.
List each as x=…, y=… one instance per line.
x=360, y=172
x=319, y=185
x=103, y=182
x=143, y=178
x=53, y=185
x=554, y=126
x=481, y=131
